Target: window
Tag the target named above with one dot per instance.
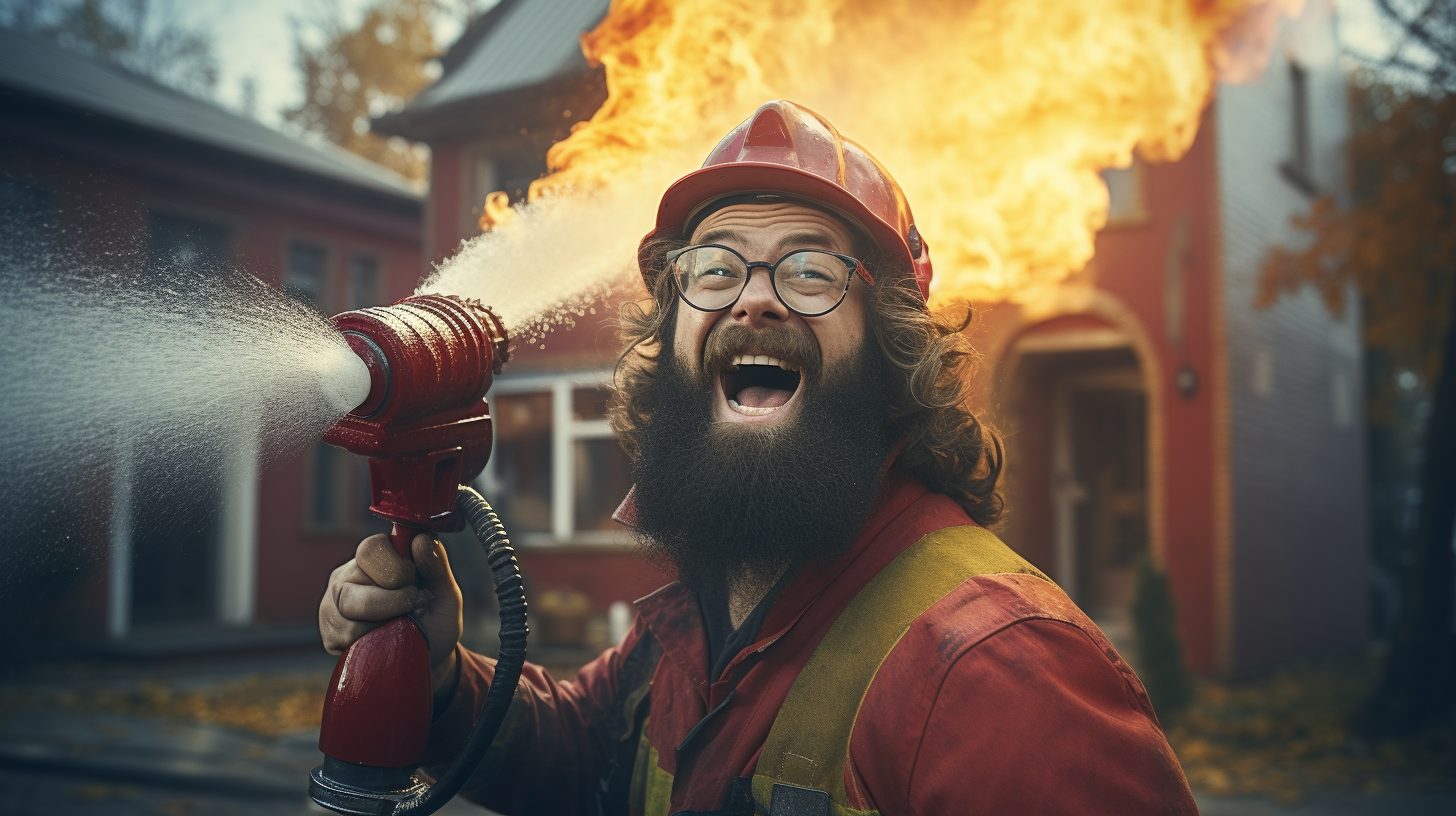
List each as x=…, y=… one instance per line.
x=1263, y=373
x=338, y=494
x=515, y=173
x=1342, y=400
x=510, y=170
x=1125, y=195
x=556, y=474
x=363, y=282
x=481, y=180
x=25, y=210
x=307, y=274
x=329, y=493
x=599, y=468
x=522, y=461
x=176, y=537
x=1299, y=167
x=176, y=245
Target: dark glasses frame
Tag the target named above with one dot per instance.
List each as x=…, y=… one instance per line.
x=855, y=267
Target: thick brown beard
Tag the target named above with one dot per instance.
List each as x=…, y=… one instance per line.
x=726, y=505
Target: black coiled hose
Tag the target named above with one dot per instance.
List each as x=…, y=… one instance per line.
x=509, y=661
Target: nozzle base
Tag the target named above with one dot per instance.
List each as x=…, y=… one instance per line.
x=362, y=790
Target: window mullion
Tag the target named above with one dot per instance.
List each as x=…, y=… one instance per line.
x=590, y=429
x=562, y=448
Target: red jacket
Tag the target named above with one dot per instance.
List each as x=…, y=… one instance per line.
x=1002, y=698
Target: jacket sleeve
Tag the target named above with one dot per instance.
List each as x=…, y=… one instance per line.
x=1034, y=719
x=552, y=748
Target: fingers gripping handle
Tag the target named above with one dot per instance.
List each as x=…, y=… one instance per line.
x=348, y=788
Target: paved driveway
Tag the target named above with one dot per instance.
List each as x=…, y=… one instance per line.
x=58, y=761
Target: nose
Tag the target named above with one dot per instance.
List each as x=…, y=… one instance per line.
x=759, y=305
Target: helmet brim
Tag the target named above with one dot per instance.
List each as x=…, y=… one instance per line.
x=697, y=190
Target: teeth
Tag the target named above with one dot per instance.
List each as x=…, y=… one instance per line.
x=761, y=359
x=744, y=409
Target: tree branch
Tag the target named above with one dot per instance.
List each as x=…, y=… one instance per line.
x=1416, y=28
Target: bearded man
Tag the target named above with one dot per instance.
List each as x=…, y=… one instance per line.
x=845, y=636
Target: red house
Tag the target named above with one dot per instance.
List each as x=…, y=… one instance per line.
x=1153, y=408
x=1148, y=406
x=89, y=149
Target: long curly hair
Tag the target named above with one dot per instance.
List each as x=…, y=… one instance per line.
x=929, y=356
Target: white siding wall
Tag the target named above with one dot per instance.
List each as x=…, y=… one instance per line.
x=1296, y=411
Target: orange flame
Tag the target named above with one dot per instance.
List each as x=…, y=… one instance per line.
x=497, y=211
x=995, y=116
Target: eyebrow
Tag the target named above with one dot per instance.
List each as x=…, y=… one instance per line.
x=807, y=238
x=720, y=235
x=803, y=239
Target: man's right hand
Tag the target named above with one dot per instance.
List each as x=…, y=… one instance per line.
x=378, y=585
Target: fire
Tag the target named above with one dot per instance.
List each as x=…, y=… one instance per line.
x=994, y=116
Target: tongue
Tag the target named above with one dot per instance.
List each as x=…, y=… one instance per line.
x=760, y=396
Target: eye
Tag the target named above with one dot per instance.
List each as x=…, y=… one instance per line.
x=714, y=276
x=811, y=270
x=717, y=271
x=804, y=273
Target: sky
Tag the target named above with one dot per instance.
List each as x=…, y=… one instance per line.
x=253, y=39
x=1361, y=27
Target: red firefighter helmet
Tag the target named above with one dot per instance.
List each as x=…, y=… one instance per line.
x=786, y=149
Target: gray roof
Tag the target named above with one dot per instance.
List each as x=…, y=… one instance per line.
x=44, y=70
x=531, y=42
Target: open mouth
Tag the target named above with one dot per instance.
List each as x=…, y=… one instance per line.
x=758, y=385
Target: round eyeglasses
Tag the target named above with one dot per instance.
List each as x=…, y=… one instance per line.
x=810, y=282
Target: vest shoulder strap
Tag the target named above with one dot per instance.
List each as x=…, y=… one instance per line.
x=625, y=722
x=808, y=744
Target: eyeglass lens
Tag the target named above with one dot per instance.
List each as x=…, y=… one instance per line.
x=809, y=281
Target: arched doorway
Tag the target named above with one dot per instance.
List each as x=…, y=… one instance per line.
x=1077, y=415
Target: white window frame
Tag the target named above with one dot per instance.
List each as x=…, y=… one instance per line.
x=565, y=431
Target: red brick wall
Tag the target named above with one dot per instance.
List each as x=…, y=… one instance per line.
x=1129, y=266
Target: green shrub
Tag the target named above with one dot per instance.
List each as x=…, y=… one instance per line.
x=1160, y=654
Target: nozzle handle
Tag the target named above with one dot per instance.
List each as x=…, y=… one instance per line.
x=346, y=787
x=400, y=537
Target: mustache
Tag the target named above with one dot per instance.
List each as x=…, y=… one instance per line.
x=727, y=339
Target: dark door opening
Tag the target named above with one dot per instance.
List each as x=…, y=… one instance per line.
x=1077, y=477
x=175, y=552
x=1108, y=458
x=176, y=526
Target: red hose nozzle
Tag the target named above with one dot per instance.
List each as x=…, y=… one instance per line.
x=424, y=425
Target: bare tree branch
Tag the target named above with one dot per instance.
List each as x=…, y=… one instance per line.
x=1433, y=30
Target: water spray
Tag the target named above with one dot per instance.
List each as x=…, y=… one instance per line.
x=425, y=427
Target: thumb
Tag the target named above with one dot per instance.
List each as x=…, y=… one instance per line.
x=432, y=563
